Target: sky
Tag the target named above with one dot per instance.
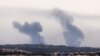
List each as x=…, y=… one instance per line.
x=52, y=30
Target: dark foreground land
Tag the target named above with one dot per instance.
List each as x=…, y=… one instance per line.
x=47, y=50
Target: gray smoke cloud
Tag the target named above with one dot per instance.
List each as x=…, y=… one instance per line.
x=72, y=34
x=31, y=30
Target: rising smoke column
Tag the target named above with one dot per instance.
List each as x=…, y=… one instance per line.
x=72, y=33
x=31, y=30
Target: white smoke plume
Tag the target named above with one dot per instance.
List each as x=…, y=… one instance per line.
x=31, y=30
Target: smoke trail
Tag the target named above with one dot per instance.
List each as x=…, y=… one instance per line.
x=31, y=30
x=72, y=33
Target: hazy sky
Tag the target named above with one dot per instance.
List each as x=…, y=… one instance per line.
x=52, y=29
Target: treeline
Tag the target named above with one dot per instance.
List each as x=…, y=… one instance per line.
x=42, y=49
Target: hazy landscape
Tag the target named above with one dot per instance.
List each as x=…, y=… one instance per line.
x=49, y=28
